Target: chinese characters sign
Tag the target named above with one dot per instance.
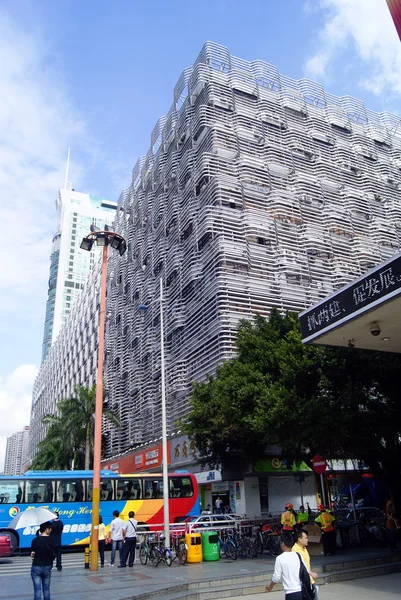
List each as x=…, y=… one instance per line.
x=375, y=286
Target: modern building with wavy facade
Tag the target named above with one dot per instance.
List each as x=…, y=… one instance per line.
x=257, y=191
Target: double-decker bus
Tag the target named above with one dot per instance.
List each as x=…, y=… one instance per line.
x=70, y=494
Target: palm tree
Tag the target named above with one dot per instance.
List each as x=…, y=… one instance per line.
x=55, y=451
x=78, y=413
x=69, y=439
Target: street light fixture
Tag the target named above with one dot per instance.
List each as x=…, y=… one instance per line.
x=104, y=239
x=166, y=511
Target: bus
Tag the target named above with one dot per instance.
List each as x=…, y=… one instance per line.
x=70, y=494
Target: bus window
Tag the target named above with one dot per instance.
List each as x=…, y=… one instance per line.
x=70, y=490
x=39, y=490
x=11, y=491
x=106, y=489
x=129, y=489
x=153, y=488
x=180, y=487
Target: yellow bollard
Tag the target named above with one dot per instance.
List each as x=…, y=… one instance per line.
x=87, y=557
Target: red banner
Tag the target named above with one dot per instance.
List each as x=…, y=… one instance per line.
x=145, y=460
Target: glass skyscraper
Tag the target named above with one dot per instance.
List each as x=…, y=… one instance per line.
x=69, y=265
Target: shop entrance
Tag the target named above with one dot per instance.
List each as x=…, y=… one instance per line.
x=224, y=496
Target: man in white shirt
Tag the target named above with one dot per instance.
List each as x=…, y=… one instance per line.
x=286, y=570
x=218, y=504
x=129, y=545
x=116, y=536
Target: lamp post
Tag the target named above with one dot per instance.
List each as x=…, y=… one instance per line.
x=105, y=239
x=166, y=509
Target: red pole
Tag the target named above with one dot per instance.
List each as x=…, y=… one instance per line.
x=97, y=446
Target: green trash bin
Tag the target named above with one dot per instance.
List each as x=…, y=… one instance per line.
x=210, y=546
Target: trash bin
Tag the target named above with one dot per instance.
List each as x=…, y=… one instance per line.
x=210, y=546
x=194, y=545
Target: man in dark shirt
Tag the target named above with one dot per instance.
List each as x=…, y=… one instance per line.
x=42, y=552
x=57, y=530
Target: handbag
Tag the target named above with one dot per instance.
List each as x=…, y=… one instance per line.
x=308, y=593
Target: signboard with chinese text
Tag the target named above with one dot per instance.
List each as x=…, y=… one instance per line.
x=375, y=287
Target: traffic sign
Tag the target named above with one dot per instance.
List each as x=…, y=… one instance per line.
x=319, y=465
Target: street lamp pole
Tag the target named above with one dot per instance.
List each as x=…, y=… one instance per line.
x=97, y=445
x=166, y=511
x=102, y=238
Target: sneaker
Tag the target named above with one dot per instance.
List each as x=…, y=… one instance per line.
x=121, y=566
x=102, y=566
x=59, y=568
x=112, y=564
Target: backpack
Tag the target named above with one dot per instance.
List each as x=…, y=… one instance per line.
x=308, y=593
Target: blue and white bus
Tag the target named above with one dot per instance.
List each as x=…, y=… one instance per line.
x=70, y=494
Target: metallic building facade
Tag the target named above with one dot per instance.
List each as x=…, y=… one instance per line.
x=257, y=191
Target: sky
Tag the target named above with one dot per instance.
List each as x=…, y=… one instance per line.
x=96, y=75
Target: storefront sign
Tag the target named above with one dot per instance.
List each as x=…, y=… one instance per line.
x=208, y=476
x=183, y=450
x=376, y=287
x=279, y=465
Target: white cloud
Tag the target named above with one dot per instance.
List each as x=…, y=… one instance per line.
x=361, y=33
x=37, y=125
x=15, y=403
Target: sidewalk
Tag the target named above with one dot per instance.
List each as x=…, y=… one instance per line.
x=120, y=584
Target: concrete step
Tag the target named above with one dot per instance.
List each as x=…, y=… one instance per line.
x=249, y=584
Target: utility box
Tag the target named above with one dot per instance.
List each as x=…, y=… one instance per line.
x=210, y=546
x=194, y=545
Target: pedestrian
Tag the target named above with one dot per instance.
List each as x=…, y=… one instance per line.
x=207, y=511
x=101, y=540
x=302, y=517
x=300, y=546
x=391, y=525
x=129, y=545
x=43, y=555
x=56, y=533
x=287, y=570
x=287, y=518
x=218, y=504
x=227, y=510
x=116, y=536
x=326, y=521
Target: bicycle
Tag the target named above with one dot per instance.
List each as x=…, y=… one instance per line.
x=179, y=548
x=227, y=547
x=147, y=552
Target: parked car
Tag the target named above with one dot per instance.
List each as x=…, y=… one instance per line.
x=6, y=548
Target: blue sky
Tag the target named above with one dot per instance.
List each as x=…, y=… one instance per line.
x=96, y=75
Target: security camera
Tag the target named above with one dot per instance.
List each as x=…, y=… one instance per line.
x=375, y=329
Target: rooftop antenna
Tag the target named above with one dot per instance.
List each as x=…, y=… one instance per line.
x=66, y=171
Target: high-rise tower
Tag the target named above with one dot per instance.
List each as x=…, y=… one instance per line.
x=69, y=265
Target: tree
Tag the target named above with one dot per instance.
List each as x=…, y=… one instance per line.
x=69, y=440
x=339, y=402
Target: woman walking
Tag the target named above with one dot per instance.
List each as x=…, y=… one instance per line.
x=102, y=540
x=43, y=554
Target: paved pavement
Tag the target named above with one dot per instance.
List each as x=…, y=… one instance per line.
x=77, y=583
x=385, y=587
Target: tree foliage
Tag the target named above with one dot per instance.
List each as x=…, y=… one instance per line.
x=339, y=402
x=70, y=434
